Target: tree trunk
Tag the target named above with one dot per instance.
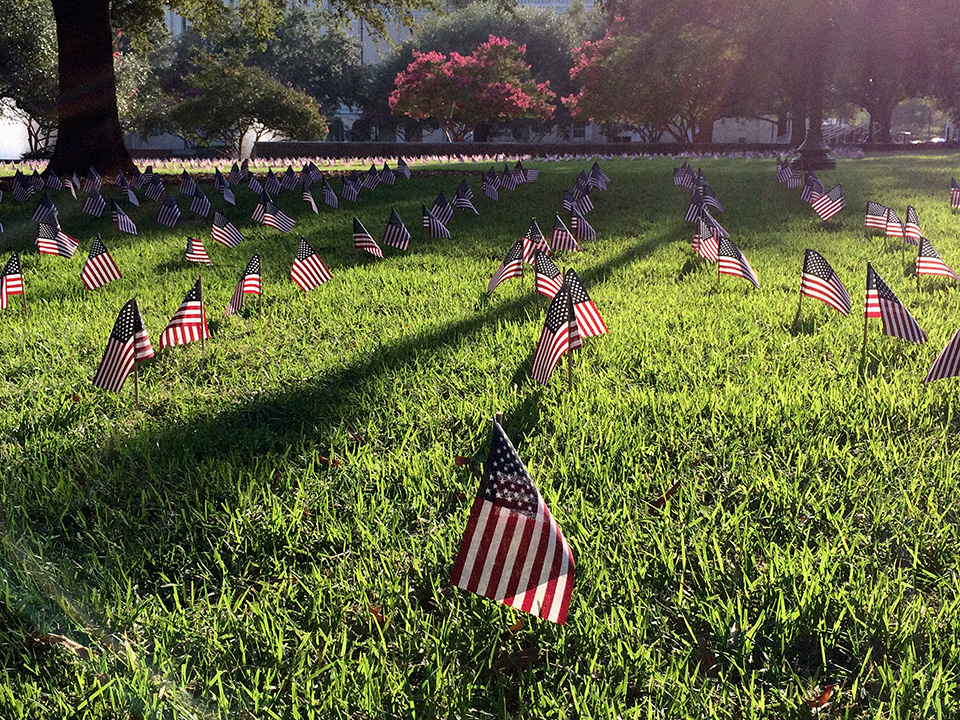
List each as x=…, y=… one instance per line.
x=89, y=131
x=882, y=115
x=798, y=116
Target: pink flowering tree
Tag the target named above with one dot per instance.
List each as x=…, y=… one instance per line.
x=460, y=92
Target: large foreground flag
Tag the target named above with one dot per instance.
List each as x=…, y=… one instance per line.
x=882, y=303
x=947, y=363
x=512, y=550
x=52, y=240
x=560, y=333
x=11, y=280
x=308, y=269
x=730, y=261
x=128, y=344
x=819, y=281
x=249, y=285
x=189, y=323
x=99, y=269
x=589, y=321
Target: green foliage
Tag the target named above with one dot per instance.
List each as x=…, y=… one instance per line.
x=225, y=101
x=223, y=569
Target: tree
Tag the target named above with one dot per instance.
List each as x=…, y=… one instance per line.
x=461, y=92
x=89, y=131
x=224, y=102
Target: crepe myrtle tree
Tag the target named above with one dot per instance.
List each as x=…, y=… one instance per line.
x=461, y=92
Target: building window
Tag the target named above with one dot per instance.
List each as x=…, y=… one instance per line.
x=579, y=131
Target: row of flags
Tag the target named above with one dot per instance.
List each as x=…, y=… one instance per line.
x=825, y=203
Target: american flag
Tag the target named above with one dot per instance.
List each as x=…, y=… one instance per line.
x=560, y=334
x=44, y=208
x=441, y=210
x=830, y=203
x=954, y=194
x=253, y=185
x=709, y=196
x=169, y=212
x=705, y=242
x=581, y=201
x=876, y=216
x=92, y=181
x=589, y=321
x=196, y=253
x=249, y=285
x=51, y=180
x=124, y=224
x=362, y=240
x=947, y=363
x=307, y=197
x=131, y=196
x=548, y=277
x=463, y=198
x=511, y=267
x=794, y=178
x=929, y=262
x=387, y=176
x=224, y=231
x=911, y=228
x=223, y=187
x=684, y=176
x=350, y=190
x=120, y=180
x=372, y=178
x=463, y=190
x=894, y=226
x=896, y=319
x=128, y=344
x=489, y=184
x=519, y=175
x=155, y=189
x=396, y=234
x=289, y=181
x=147, y=176
x=329, y=196
x=93, y=204
x=694, y=210
x=812, y=188
x=598, y=177
x=819, y=281
x=435, y=228
x=11, y=280
x=189, y=323
x=51, y=240
x=730, y=261
x=562, y=238
x=187, y=184
x=308, y=269
x=512, y=550
x=402, y=168
x=271, y=184
x=22, y=188
x=235, y=175
x=99, y=269
x=199, y=203
x=783, y=170
x=581, y=229
x=532, y=241
x=136, y=178
x=267, y=213
x=507, y=179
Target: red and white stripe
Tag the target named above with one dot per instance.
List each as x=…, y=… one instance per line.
x=947, y=363
x=188, y=324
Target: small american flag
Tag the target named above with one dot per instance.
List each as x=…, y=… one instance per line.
x=463, y=198
x=794, y=178
x=730, y=261
x=441, y=210
x=705, y=243
x=329, y=196
x=589, y=321
x=223, y=187
x=512, y=550
x=189, y=323
x=489, y=184
x=435, y=228
x=289, y=181
x=562, y=239
x=581, y=201
x=519, y=175
x=372, y=178
x=128, y=344
x=894, y=225
x=830, y=203
x=45, y=208
x=812, y=188
x=911, y=228
x=92, y=181
x=954, y=194
x=147, y=176
x=131, y=196
x=362, y=240
x=387, y=176
x=819, y=281
x=464, y=191
x=507, y=179
x=308, y=269
x=896, y=319
x=548, y=277
x=350, y=190
x=271, y=184
x=511, y=267
x=51, y=240
x=199, y=203
x=694, y=210
x=560, y=333
x=99, y=269
x=93, y=204
x=196, y=252
x=11, y=280
x=187, y=184
x=947, y=363
x=684, y=176
x=267, y=213
x=22, y=188
x=169, y=213
x=581, y=229
x=533, y=240
x=307, y=197
x=402, y=168
x=598, y=178
x=876, y=216
x=155, y=189
x=136, y=178
x=929, y=262
x=224, y=231
x=50, y=179
x=235, y=174
x=396, y=234
x=124, y=224
x=249, y=285
x=253, y=185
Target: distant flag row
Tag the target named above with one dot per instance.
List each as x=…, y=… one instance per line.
x=826, y=203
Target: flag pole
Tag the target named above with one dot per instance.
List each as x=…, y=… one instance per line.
x=23, y=290
x=136, y=382
x=570, y=316
x=203, y=314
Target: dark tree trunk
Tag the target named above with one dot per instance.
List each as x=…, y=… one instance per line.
x=782, y=122
x=89, y=131
x=798, y=116
x=882, y=116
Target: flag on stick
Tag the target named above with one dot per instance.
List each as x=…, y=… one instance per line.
x=100, y=268
x=705, y=242
x=402, y=168
x=267, y=213
x=271, y=184
x=169, y=212
x=589, y=321
x=894, y=225
x=896, y=319
x=127, y=345
x=11, y=280
x=947, y=363
x=196, y=252
x=548, y=277
x=362, y=240
x=51, y=240
x=44, y=208
x=581, y=229
x=830, y=203
x=876, y=217
x=441, y=209
x=93, y=204
x=512, y=550
x=533, y=240
x=200, y=203
x=435, y=228
x=562, y=239
x=929, y=262
x=560, y=333
x=224, y=231
x=189, y=323
x=954, y=194
x=308, y=269
x=819, y=281
x=329, y=196
x=812, y=188
x=307, y=197
x=731, y=261
x=396, y=234
x=249, y=285
x=124, y=223
x=511, y=267
x=911, y=228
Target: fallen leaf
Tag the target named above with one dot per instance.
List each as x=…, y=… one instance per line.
x=461, y=460
x=71, y=645
x=375, y=611
x=662, y=500
x=708, y=661
x=823, y=699
x=75, y=397
x=517, y=626
x=327, y=462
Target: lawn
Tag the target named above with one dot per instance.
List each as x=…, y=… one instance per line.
x=269, y=533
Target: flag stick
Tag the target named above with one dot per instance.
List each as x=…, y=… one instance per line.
x=498, y=418
x=203, y=314
x=570, y=317
x=260, y=304
x=863, y=352
x=136, y=382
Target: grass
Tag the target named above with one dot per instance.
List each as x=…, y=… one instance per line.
x=220, y=567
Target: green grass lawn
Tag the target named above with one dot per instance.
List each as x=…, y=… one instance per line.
x=201, y=544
